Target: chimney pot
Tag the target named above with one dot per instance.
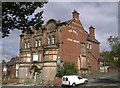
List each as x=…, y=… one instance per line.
x=92, y=32
x=75, y=14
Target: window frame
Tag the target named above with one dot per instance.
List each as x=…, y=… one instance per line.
x=83, y=48
x=36, y=43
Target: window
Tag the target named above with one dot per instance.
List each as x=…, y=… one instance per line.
x=63, y=79
x=28, y=45
x=39, y=42
x=89, y=46
x=25, y=45
x=40, y=57
x=53, y=40
x=66, y=79
x=36, y=43
x=27, y=59
x=79, y=77
x=83, y=48
x=48, y=40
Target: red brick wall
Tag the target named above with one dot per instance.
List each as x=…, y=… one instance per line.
x=71, y=50
x=96, y=54
x=12, y=71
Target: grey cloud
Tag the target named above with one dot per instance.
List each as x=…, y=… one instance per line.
x=6, y=54
x=11, y=43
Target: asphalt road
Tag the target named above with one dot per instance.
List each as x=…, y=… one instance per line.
x=110, y=81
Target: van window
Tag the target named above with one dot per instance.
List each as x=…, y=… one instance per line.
x=79, y=77
x=66, y=79
x=63, y=79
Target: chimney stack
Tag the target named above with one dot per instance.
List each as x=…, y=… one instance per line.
x=75, y=15
x=92, y=32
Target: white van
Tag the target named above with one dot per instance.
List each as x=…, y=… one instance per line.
x=73, y=80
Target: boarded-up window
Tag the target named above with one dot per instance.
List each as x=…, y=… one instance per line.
x=83, y=48
x=83, y=62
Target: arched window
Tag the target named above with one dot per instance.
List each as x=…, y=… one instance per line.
x=36, y=43
x=53, y=39
x=25, y=45
x=28, y=45
x=48, y=40
x=39, y=42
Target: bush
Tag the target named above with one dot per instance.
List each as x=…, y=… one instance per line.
x=27, y=81
x=68, y=69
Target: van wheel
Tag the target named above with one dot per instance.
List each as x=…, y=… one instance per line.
x=73, y=84
x=85, y=82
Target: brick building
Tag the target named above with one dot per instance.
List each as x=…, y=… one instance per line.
x=64, y=41
x=9, y=70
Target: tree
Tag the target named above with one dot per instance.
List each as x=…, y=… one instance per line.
x=16, y=15
x=108, y=59
x=68, y=69
x=114, y=43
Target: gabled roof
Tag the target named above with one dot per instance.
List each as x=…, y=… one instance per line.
x=68, y=22
x=64, y=23
x=94, y=41
x=12, y=61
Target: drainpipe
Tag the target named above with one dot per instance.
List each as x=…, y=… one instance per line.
x=58, y=60
x=60, y=42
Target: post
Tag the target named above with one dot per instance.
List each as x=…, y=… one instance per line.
x=104, y=66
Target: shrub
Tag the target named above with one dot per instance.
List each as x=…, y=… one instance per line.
x=68, y=69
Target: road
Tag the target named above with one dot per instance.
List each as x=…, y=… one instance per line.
x=110, y=81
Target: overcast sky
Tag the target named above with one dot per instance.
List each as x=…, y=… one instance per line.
x=101, y=15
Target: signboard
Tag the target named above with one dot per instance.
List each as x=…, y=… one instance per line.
x=35, y=56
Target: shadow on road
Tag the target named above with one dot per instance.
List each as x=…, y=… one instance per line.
x=105, y=80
